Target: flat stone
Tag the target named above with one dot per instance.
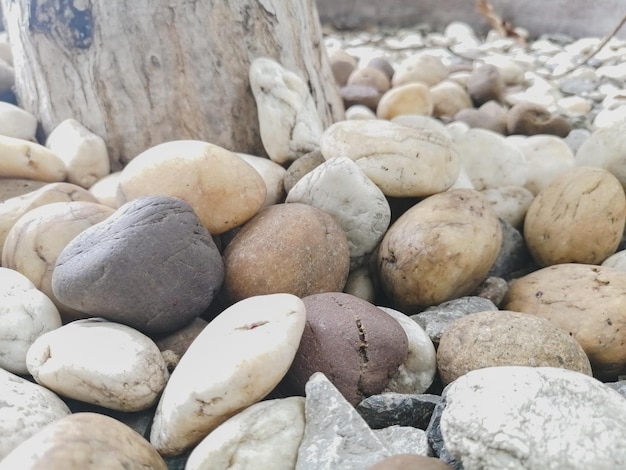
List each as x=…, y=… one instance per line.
x=84, y=441
x=25, y=314
x=335, y=436
x=26, y=409
x=96, y=273
x=389, y=409
x=76, y=361
x=264, y=436
x=245, y=352
x=289, y=123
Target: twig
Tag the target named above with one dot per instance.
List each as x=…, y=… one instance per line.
x=504, y=28
x=595, y=51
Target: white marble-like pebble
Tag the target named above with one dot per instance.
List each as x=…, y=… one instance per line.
x=15, y=122
x=99, y=362
x=105, y=190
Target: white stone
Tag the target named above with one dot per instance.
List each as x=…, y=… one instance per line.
x=340, y=188
x=609, y=117
x=418, y=121
x=26, y=408
x=462, y=35
x=457, y=129
x=99, y=362
x=84, y=153
x=616, y=261
x=510, y=203
x=401, y=161
x=105, y=189
x=264, y=436
x=511, y=72
x=233, y=363
x=288, y=119
x=404, y=440
x=418, y=371
x=617, y=72
x=25, y=314
x=359, y=111
x=360, y=284
x=605, y=149
x=24, y=159
x=574, y=105
x=547, y=157
x=15, y=122
x=489, y=160
x=463, y=181
x=272, y=174
x=533, y=418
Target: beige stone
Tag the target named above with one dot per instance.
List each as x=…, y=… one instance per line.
x=401, y=161
x=438, y=250
x=411, y=98
x=509, y=203
x=34, y=243
x=449, y=98
x=578, y=218
x=223, y=190
x=84, y=441
x=105, y=189
x=505, y=338
x=12, y=187
x=587, y=301
x=423, y=68
x=25, y=159
x=273, y=175
x=15, y=122
x=369, y=76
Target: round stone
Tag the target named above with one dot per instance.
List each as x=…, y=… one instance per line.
x=604, y=149
x=370, y=76
x=485, y=84
x=410, y=98
x=449, y=98
x=383, y=65
x=510, y=203
x=342, y=65
x=422, y=68
x=293, y=248
x=301, y=167
x=364, y=95
x=528, y=118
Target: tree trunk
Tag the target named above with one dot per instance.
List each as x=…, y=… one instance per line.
x=142, y=72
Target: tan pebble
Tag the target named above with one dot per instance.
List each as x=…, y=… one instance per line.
x=423, y=68
x=412, y=98
x=369, y=76
x=449, y=98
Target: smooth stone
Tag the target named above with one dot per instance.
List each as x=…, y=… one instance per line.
x=13, y=208
x=434, y=320
x=361, y=284
x=13, y=187
x=492, y=288
x=541, y=417
x=604, y=149
x=289, y=123
x=335, y=436
x=511, y=72
x=36, y=240
x=449, y=98
x=370, y=76
x=413, y=259
x=490, y=116
x=273, y=175
x=364, y=95
x=584, y=300
x=401, y=161
x=223, y=190
x=410, y=98
x=342, y=65
x=513, y=256
x=417, y=373
x=485, y=84
x=16, y=122
x=510, y=203
x=619, y=387
x=24, y=159
x=404, y=440
x=264, y=436
x=105, y=189
x=25, y=314
x=490, y=160
x=341, y=189
x=575, y=105
x=84, y=441
x=547, y=156
x=389, y=409
x=245, y=351
x=301, y=167
x=293, y=248
x=616, y=261
x=175, y=344
x=609, y=117
x=84, y=153
x=422, y=68
x=359, y=111
x=382, y=64
x=418, y=121
x=26, y=409
x=355, y=344
x=578, y=218
x=96, y=272
x=76, y=361
x=506, y=338
x=410, y=462
x=461, y=34
x=527, y=118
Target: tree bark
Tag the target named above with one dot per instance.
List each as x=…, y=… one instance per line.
x=142, y=72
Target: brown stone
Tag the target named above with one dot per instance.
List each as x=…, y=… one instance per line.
x=449, y=98
x=485, y=84
x=301, y=167
x=532, y=119
x=369, y=76
x=360, y=94
x=342, y=64
x=410, y=462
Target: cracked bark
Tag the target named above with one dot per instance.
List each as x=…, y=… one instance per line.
x=141, y=73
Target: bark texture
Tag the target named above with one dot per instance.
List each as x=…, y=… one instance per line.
x=142, y=72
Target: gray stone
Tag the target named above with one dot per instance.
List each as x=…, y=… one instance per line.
x=533, y=418
x=335, y=436
x=513, y=254
x=619, y=386
x=436, y=441
x=151, y=265
x=404, y=440
x=435, y=319
x=389, y=409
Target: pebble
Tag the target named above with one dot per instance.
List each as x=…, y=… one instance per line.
x=105, y=190
x=422, y=68
x=510, y=203
x=410, y=98
x=273, y=175
x=244, y=351
x=76, y=361
x=531, y=118
x=301, y=167
x=370, y=76
x=84, y=441
x=289, y=123
x=485, y=84
x=25, y=313
x=449, y=98
x=358, y=111
x=604, y=149
x=185, y=266
x=17, y=123
x=410, y=462
x=533, y=418
x=26, y=409
x=390, y=408
x=24, y=159
x=340, y=188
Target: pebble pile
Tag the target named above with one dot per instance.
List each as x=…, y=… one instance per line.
x=436, y=282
